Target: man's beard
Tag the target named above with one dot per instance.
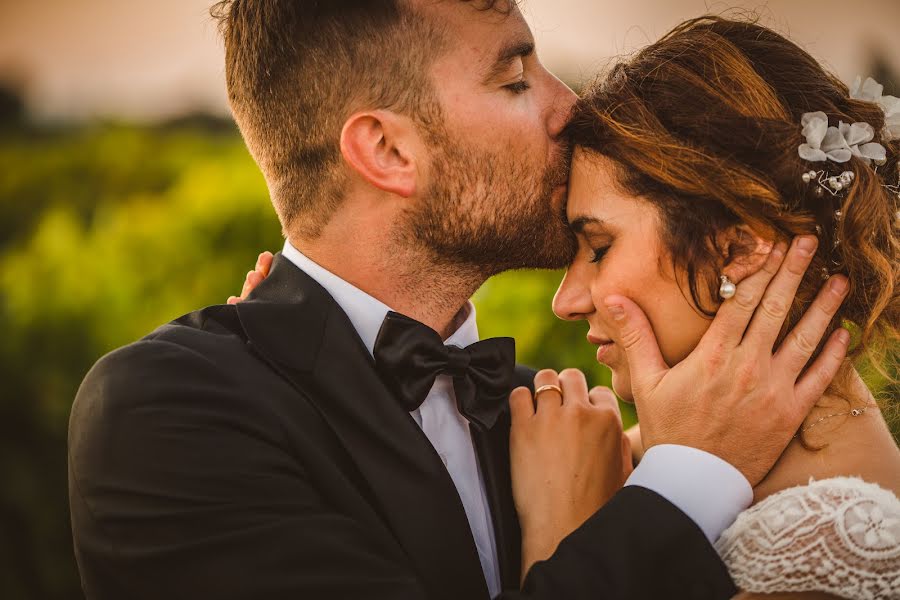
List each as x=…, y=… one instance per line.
x=492, y=213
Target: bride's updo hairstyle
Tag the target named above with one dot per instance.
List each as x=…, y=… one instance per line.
x=705, y=125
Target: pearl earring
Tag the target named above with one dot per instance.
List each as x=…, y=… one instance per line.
x=727, y=289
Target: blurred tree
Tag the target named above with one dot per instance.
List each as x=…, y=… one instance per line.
x=106, y=232
x=12, y=106
x=882, y=72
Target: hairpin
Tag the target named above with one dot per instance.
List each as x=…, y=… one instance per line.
x=872, y=91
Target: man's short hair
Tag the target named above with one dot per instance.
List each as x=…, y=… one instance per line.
x=295, y=69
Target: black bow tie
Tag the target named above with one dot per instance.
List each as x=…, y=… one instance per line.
x=410, y=355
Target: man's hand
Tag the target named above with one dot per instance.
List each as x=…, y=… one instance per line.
x=254, y=277
x=732, y=396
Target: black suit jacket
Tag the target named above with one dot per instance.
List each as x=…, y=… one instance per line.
x=252, y=452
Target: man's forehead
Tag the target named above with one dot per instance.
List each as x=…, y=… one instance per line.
x=472, y=22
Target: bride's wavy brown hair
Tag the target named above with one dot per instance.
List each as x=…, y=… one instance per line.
x=705, y=125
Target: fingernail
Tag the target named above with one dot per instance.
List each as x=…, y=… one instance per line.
x=807, y=244
x=616, y=311
x=843, y=336
x=779, y=249
x=838, y=285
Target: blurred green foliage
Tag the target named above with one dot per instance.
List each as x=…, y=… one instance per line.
x=106, y=232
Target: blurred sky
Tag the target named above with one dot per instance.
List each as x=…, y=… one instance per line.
x=146, y=60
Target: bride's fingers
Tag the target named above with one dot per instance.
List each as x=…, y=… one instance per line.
x=603, y=396
x=521, y=405
x=732, y=318
x=264, y=263
x=627, y=457
x=548, y=399
x=254, y=278
x=574, y=386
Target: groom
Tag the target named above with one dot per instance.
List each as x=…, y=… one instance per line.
x=288, y=447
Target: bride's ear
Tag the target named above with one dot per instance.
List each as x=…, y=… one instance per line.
x=743, y=252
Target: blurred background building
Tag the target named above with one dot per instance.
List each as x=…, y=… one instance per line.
x=127, y=198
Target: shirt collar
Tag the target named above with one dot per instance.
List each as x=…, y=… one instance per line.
x=367, y=313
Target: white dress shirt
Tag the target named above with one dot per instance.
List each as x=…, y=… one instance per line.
x=707, y=489
x=438, y=416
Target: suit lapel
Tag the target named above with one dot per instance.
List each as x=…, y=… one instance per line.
x=298, y=328
x=492, y=447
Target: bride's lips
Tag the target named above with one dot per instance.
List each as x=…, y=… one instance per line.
x=605, y=345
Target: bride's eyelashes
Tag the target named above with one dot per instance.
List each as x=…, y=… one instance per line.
x=599, y=253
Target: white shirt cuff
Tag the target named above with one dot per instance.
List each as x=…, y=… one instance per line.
x=703, y=486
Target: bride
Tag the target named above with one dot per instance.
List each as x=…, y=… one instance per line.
x=694, y=158
x=694, y=162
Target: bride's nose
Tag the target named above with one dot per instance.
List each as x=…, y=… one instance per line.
x=573, y=298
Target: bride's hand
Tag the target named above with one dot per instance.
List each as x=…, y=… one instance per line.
x=254, y=277
x=569, y=457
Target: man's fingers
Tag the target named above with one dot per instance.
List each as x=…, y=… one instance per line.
x=733, y=316
x=821, y=373
x=521, y=404
x=778, y=297
x=645, y=361
x=801, y=342
x=574, y=386
x=549, y=399
x=233, y=299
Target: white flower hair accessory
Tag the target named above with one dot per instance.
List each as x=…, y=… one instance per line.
x=838, y=144
x=872, y=91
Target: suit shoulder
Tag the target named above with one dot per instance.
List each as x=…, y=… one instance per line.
x=190, y=353
x=153, y=369
x=212, y=324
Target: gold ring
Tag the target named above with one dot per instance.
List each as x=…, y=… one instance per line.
x=547, y=388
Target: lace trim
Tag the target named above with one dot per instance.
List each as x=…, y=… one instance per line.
x=839, y=535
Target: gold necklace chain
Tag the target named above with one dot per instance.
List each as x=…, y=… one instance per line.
x=855, y=412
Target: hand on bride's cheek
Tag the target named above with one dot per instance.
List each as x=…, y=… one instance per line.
x=621, y=252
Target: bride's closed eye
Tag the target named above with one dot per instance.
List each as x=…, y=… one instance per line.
x=599, y=253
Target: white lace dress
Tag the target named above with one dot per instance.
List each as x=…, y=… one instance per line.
x=839, y=535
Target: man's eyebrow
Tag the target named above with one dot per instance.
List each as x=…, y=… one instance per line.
x=579, y=223
x=507, y=54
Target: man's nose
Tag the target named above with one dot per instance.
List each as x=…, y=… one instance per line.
x=562, y=101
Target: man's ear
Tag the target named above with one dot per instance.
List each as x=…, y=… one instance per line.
x=380, y=146
x=743, y=251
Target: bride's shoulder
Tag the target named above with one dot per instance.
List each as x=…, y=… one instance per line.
x=839, y=535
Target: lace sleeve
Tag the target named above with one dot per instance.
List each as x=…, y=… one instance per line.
x=840, y=536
